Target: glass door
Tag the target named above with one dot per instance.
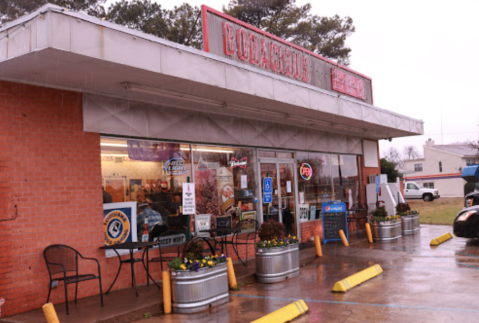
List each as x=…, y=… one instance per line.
x=280, y=205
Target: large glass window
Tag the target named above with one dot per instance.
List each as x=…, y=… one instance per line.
x=225, y=183
x=314, y=182
x=145, y=171
x=344, y=170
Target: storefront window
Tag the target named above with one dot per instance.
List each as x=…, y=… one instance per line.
x=224, y=183
x=345, y=178
x=314, y=183
x=150, y=172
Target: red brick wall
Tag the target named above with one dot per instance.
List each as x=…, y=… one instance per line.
x=50, y=169
x=310, y=229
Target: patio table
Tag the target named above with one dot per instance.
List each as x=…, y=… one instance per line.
x=131, y=246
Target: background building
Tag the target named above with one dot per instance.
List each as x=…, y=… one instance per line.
x=441, y=167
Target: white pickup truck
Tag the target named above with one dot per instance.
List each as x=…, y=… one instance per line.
x=413, y=191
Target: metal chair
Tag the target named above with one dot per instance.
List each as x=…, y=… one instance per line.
x=61, y=260
x=358, y=214
x=169, y=241
x=246, y=236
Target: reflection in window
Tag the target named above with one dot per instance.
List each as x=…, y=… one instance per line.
x=146, y=171
x=314, y=181
x=224, y=182
x=345, y=178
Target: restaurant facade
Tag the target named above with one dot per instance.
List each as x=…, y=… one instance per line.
x=263, y=129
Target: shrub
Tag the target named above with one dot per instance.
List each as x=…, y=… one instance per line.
x=402, y=208
x=379, y=212
x=195, y=250
x=271, y=230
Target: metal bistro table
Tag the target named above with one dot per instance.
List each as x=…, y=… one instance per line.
x=226, y=232
x=131, y=246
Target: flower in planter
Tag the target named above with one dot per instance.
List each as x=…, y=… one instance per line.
x=404, y=209
x=278, y=242
x=380, y=215
x=196, y=264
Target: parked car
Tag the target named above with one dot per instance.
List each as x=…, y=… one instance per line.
x=471, y=199
x=413, y=191
x=466, y=224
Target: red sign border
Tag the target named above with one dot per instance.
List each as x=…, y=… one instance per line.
x=206, y=44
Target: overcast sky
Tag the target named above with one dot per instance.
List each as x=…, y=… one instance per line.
x=423, y=58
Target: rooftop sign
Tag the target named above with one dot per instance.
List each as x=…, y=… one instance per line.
x=231, y=38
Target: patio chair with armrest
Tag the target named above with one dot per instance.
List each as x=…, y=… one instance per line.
x=62, y=264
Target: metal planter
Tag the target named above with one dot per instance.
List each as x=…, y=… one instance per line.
x=386, y=231
x=277, y=264
x=409, y=224
x=196, y=291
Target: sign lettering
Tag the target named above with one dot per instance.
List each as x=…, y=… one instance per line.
x=347, y=84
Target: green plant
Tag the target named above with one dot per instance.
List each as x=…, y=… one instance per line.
x=402, y=208
x=195, y=250
x=379, y=212
x=271, y=230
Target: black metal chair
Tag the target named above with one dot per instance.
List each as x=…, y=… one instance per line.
x=245, y=236
x=62, y=260
x=161, y=233
x=358, y=214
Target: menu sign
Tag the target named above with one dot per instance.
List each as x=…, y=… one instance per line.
x=334, y=219
x=189, y=206
x=231, y=38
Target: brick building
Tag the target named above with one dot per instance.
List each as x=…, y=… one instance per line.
x=86, y=104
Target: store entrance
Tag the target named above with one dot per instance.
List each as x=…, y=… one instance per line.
x=280, y=205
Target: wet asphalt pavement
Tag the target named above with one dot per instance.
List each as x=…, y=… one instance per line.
x=419, y=284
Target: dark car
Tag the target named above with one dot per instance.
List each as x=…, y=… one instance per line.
x=466, y=224
x=471, y=199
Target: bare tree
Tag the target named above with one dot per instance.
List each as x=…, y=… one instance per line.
x=393, y=155
x=411, y=152
x=473, y=145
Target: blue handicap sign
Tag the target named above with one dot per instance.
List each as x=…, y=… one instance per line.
x=377, y=184
x=268, y=185
x=267, y=198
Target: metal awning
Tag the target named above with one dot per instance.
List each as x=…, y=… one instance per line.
x=56, y=48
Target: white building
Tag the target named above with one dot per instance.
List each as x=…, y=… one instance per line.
x=441, y=167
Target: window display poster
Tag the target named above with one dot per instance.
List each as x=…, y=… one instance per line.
x=189, y=206
x=248, y=217
x=288, y=187
x=312, y=213
x=244, y=181
x=301, y=197
x=119, y=225
x=226, y=196
x=203, y=222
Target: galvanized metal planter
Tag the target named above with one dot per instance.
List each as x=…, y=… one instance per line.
x=409, y=224
x=386, y=231
x=196, y=291
x=277, y=264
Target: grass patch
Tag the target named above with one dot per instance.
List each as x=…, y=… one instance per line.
x=441, y=211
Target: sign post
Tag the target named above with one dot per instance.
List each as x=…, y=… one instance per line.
x=267, y=192
x=377, y=189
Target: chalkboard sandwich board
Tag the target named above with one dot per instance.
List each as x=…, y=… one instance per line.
x=334, y=219
x=223, y=222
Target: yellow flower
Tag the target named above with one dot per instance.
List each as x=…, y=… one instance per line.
x=269, y=242
x=183, y=267
x=294, y=237
x=204, y=261
x=201, y=265
x=197, y=261
x=289, y=236
x=211, y=263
